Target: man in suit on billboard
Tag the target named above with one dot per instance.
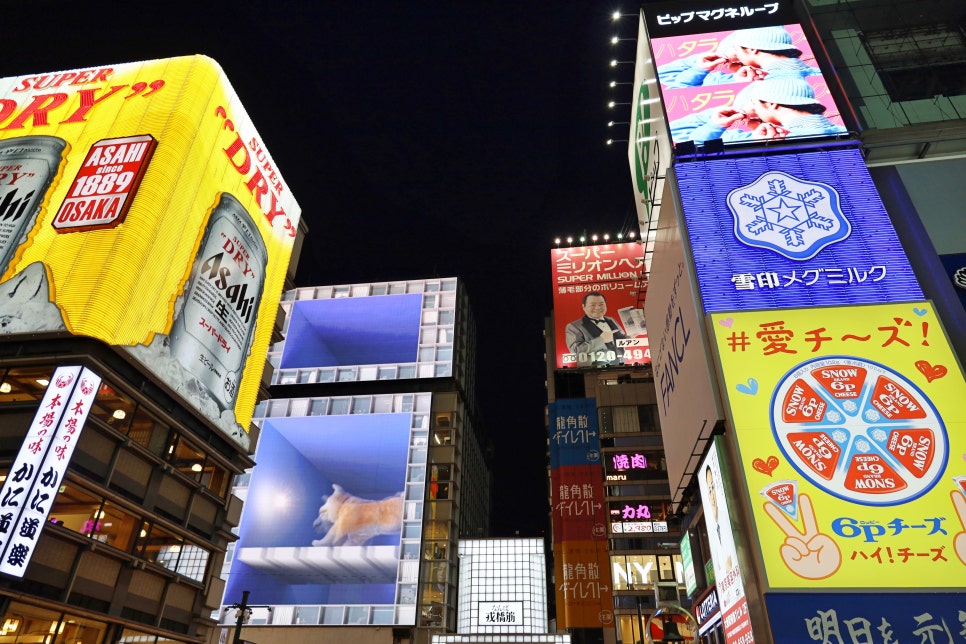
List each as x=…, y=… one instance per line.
x=594, y=332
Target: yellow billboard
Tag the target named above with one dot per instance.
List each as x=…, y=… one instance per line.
x=139, y=206
x=851, y=430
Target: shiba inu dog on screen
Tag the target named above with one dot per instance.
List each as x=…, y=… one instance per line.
x=352, y=521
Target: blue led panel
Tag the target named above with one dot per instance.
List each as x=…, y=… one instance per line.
x=313, y=473
x=791, y=230
x=574, y=437
x=353, y=331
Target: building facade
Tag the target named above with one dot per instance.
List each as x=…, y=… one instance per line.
x=742, y=479
x=615, y=537
x=372, y=464
x=141, y=279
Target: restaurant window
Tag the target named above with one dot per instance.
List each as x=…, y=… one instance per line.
x=25, y=383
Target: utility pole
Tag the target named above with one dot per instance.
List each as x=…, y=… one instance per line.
x=242, y=611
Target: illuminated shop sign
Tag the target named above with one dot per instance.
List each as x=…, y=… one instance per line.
x=789, y=230
x=851, y=427
x=707, y=607
x=723, y=546
x=36, y=474
x=500, y=613
x=598, y=302
x=638, y=527
x=574, y=435
x=906, y=617
x=628, y=461
x=699, y=16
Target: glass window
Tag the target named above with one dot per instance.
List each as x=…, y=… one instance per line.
x=447, y=317
x=407, y=371
x=159, y=546
x=429, y=302
x=74, y=508
x=113, y=407
x=25, y=383
x=307, y=614
x=113, y=526
x=187, y=459
x=131, y=636
x=169, y=550
x=148, y=432
x=358, y=615
x=339, y=406
x=215, y=478
x=332, y=614
x=387, y=373
x=361, y=404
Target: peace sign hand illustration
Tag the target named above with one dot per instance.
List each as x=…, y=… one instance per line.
x=811, y=555
x=959, y=541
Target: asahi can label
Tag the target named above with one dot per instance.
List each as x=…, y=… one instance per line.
x=212, y=333
x=28, y=167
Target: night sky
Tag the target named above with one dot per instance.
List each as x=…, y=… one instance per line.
x=421, y=140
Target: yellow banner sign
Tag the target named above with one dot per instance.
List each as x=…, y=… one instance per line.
x=852, y=435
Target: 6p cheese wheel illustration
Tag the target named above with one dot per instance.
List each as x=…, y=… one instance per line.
x=859, y=430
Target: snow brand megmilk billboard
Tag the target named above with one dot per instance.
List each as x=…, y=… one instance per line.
x=139, y=206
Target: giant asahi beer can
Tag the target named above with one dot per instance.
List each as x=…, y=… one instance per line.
x=28, y=167
x=212, y=333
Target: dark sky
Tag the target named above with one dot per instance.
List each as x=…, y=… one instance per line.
x=421, y=139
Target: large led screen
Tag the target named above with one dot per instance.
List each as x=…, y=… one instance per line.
x=756, y=85
x=741, y=74
x=790, y=230
x=139, y=206
x=598, y=305
x=323, y=517
x=353, y=331
x=851, y=430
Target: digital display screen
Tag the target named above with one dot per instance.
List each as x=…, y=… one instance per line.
x=323, y=517
x=755, y=85
x=353, y=331
x=791, y=230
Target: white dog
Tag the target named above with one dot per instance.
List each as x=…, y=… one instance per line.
x=353, y=521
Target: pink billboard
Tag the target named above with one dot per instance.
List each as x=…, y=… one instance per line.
x=598, y=302
x=754, y=84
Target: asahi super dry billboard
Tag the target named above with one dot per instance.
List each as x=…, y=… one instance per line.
x=139, y=206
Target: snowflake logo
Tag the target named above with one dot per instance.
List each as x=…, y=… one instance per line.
x=791, y=216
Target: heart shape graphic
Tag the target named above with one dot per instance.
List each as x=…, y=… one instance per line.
x=726, y=322
x=931, y=372
x=767, y=466
x=751, y=388
x=919, y=312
